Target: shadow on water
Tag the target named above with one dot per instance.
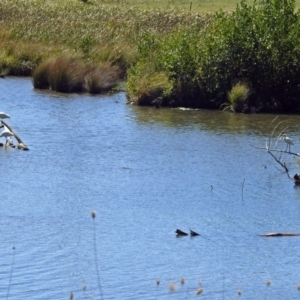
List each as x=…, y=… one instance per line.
x=216, y=121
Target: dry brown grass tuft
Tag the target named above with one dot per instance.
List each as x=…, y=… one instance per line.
x=68, y=75
x=101, y=79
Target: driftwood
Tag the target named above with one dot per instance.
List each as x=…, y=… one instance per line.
x=21, y=145
x=273, y=234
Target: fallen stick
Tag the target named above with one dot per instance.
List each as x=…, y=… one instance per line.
x=21, y=145
x=272, y=234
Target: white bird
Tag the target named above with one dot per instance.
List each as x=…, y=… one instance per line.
x=7, y=134
x=288, y=141
x=3, y=115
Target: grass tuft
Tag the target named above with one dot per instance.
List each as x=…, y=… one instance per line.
x=101, y=79
x=69, y=75
x=238, y=98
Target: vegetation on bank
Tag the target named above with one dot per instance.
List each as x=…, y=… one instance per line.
x=256, y=44
x=247, y=58
x=93, y=33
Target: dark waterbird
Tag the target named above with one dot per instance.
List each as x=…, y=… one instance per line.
x=193, y=233
x=180, y=232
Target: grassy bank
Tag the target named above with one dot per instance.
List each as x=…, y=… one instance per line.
x=98, y=33
x=247, y=60
x=173, y=53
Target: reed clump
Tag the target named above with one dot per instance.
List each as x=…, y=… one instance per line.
x=238, y=98
x=69, y=75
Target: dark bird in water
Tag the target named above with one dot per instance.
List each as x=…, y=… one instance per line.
x=193, y=233
x=180, y=232
x=297, y=179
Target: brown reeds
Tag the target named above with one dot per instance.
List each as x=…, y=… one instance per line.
x=101, y=79
x=69, y=75
x=40, y=75
x=66, y=75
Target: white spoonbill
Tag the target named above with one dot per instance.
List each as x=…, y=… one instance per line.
x=7, y=134
x=3, y=115
x=288, y=141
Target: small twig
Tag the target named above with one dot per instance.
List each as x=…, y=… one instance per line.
x=93, y=214
x=11, y=273
x=276, y=150
x=243, y=190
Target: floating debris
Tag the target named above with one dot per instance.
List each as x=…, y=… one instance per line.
x=21, y=145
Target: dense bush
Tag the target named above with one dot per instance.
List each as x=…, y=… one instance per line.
x=258, y=44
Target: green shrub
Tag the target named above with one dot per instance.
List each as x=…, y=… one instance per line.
x=259, y=44
x=171, y=62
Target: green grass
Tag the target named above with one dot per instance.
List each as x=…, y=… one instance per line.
x=97, y=31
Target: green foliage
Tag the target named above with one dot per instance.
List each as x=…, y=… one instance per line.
x=86, y=44
x=173, y=57
x=179, y=57
x=260, y=44
x=145, y=84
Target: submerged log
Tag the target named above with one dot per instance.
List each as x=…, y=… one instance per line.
x=273, y=234
x=21, y=145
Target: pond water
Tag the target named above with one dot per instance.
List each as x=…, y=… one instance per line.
x=145, y=172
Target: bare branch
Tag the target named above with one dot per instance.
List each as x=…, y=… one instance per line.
x=272, y=148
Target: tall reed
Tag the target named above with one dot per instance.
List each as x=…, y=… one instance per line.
x=11, y=273
x=93, y=215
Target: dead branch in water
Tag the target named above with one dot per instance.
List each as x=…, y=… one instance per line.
x=21, y=145
x=278, y=154
x=274, y=234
